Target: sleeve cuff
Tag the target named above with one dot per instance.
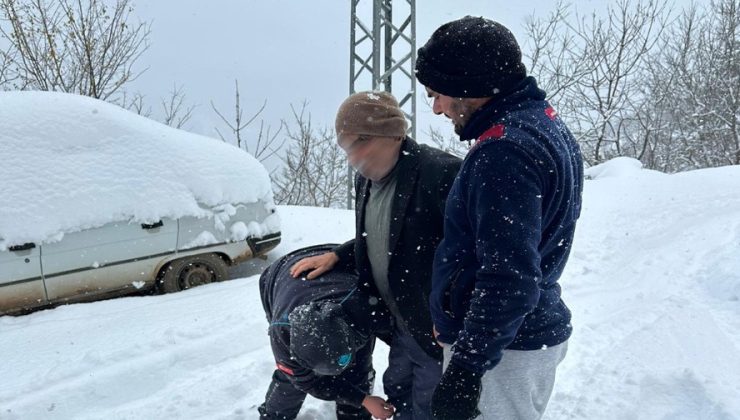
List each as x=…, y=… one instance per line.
x=346, y=253
x=461, y=361
x=352, y=396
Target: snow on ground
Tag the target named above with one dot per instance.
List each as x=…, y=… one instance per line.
x=51, y=142
x=653, y=283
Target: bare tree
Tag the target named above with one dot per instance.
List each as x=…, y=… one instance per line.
x=595, y=68
x=175, y=112
x=265, y=145
x=450, y=144
x=314, y=169
x=705, y=57
x=618, y=48
x=553, y=53
x=79, y=46
x=692, y=90
x=649, y=129
x=134, y=102
x=642, y=83
x=5, y=63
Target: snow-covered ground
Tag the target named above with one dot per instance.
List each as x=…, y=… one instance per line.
x=653, y=282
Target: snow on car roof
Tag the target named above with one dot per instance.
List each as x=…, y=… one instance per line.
x=71, y=162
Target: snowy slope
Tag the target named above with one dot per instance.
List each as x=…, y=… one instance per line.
x=653, y=283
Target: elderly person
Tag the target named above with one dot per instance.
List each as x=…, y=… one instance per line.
x=400, y=193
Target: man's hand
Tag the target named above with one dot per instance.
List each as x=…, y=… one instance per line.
x=315, y=266
x=378, y=407
x=457, y=394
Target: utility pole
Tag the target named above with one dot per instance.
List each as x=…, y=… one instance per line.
x=383, y=55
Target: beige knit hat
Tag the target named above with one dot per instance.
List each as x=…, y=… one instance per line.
x=372, y=113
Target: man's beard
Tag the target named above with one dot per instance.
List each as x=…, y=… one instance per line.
x=463, y=111
x=458, y=128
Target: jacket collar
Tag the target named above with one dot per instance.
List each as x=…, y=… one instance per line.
x=496, y=109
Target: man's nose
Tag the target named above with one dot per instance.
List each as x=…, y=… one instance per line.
x=436, y=108
x=353, y=158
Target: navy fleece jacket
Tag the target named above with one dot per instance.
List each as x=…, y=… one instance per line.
x=509, y=224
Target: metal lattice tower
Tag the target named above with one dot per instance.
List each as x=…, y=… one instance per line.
x=383, y=53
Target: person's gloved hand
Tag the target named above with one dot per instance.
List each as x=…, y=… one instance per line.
x=457, y=394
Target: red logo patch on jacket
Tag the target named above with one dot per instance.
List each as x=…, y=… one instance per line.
x=281, y=367
x=551, y=113
x=495, y=132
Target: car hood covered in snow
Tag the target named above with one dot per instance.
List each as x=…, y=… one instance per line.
x=71, y=162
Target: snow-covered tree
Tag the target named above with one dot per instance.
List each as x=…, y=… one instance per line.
x=704, y=58
x=645, y=82
x=593, y=69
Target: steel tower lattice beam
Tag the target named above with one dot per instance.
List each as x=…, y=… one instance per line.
x=383, y=53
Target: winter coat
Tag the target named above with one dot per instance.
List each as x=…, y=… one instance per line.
x=509, y=225
x=424, y=176
x=281, y=293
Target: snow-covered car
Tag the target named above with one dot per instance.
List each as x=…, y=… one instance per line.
x=96, y=201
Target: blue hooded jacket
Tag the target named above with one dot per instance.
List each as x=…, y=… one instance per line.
x=281, y=294
x=509, y=224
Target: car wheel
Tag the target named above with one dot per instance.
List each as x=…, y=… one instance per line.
x=189, y=272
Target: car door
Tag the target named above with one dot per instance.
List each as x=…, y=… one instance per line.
x=210, y=232
x=116, y=257
x=197, y=233
x=21, y=285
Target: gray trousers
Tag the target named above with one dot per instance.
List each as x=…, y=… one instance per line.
x=520, y=385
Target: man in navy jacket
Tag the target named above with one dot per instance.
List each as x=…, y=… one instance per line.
x=509, y=224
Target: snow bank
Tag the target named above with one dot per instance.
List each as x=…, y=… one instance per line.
x=71, y=162
x=653, y=283
x=617, y=167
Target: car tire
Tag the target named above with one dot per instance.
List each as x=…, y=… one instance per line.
x=193, y=271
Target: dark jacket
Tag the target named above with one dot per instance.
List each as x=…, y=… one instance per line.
x=281, y=293
x=509, y=226
x=424, y=178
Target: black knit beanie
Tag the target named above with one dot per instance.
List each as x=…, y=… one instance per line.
x=472, y=57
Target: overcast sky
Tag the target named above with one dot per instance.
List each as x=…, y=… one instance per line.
x=283, y=51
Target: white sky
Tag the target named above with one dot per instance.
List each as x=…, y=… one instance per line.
x=285, y=51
